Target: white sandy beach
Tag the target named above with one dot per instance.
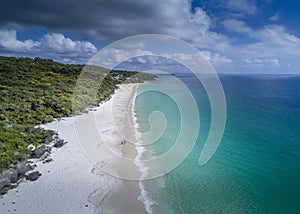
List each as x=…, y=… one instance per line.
x=71, y=183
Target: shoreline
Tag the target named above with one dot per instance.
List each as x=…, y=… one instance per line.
x=143, y=197
x=124, y=197
x=72, y=175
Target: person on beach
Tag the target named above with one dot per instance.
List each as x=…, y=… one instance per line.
x=123, y=142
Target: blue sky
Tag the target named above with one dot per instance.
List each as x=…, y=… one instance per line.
x=236, y=36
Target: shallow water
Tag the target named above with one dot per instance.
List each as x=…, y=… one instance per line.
x=255, y=168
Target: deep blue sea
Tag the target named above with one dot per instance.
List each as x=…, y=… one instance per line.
x=256, y=168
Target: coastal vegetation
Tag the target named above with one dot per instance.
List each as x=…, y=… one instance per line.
x=35, y=91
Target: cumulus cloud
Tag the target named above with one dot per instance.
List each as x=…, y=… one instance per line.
x=51, y=44
x=58, y=43
x=9, y=42
x=201, y=20
x=112, y=20
x=103, y=22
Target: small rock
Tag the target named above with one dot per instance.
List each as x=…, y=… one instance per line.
x=51, y=138
x=22, y=168
x=10, y=174
x=4, y=182
x=47, y=160
x=33, y=176
x=40, y=151
x=59, y=143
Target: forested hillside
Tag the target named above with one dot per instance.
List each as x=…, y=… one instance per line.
x=35, y=91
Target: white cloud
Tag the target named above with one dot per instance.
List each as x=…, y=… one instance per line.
x=9, y=42
x=263, y=62
x=170, y=17
x=201, y=19
x=237, y=26
x=277, y=35
x=50, y=45
x=147, y=60
x=105, y=23
x=275, y=17
x=191, y=27
x=163, y=17
x=112, y=57
x=216, y=58
x=268, y=46
x=273, y=41
x=269, y=40
x=58, y=43
x=273, y=37
x=244, y=6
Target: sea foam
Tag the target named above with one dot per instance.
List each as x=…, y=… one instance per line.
x=144, y=196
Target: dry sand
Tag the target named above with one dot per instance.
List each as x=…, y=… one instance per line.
x=72, y=183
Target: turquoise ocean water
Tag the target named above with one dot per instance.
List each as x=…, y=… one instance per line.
x=256, y=168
